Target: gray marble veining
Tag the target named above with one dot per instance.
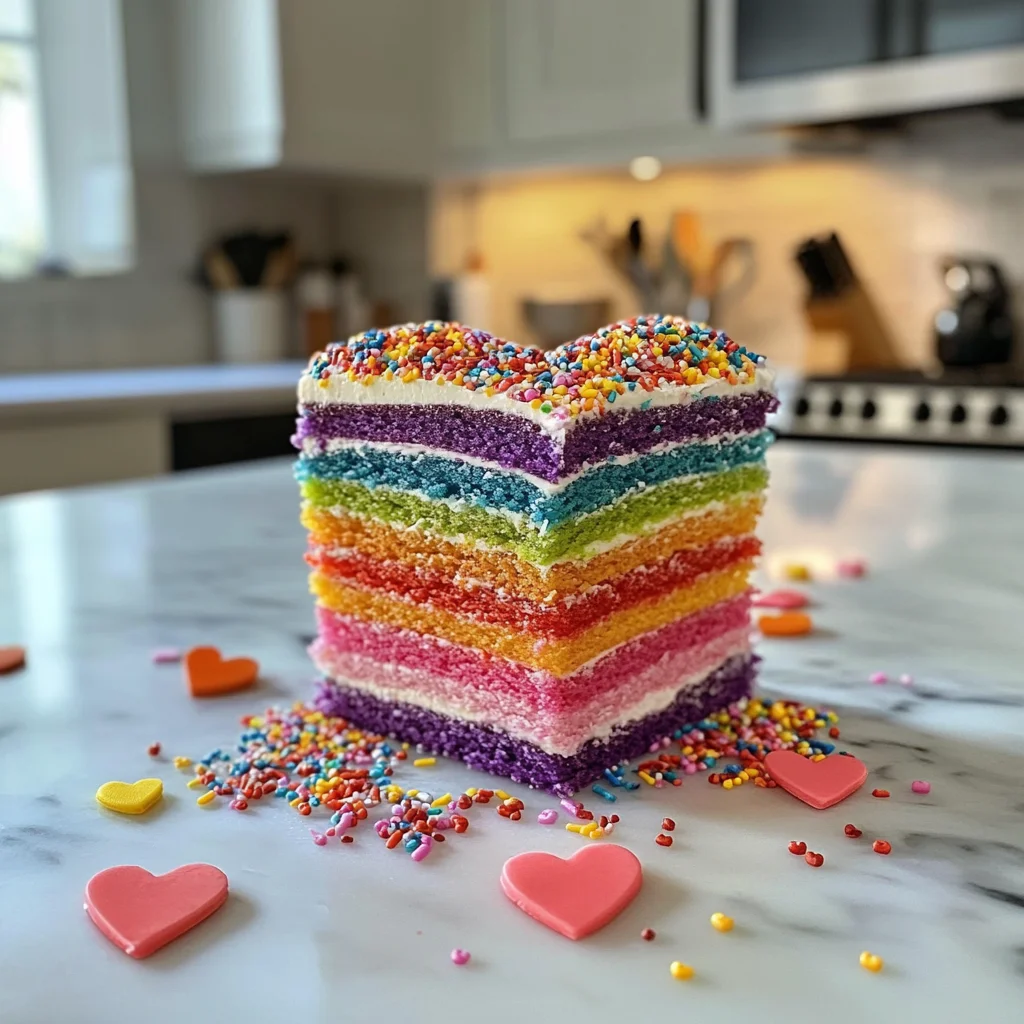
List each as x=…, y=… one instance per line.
x=92, y=581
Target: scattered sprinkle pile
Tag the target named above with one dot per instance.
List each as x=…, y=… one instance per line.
x=747, y=730
x=314, y=761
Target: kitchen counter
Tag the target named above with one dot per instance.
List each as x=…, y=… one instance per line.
x=91, y=582
x=102, y=425
x=181, y=390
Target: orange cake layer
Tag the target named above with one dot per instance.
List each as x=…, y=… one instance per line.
x=560, y=657
x=563, y=619
x=469, y=565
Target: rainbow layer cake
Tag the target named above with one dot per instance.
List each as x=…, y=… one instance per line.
x=535, y=562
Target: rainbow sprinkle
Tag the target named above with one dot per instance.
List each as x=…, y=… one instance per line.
x=324, y=765
x=747, y=730
x=584, y=375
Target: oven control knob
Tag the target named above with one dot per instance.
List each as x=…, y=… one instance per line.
x=999, y=416
x=923, y=412
x=958, y=414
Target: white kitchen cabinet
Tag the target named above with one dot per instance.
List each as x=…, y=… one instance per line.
x=422, y=89
x=335, y=86
x=528, y=84
x=592, y=67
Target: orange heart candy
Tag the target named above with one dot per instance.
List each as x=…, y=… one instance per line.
x=786, y=624
x=11, y=658
x=208, y=674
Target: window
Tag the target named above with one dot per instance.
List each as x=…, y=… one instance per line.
x=22, y=188
x=65, y=166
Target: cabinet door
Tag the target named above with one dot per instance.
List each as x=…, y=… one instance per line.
x=357, y=86
x=465, y=75
x=587, y=67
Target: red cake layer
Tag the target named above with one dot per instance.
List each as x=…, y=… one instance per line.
x=562, y=617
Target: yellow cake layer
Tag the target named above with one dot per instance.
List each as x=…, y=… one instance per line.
x=469, y=565
x=561, y=657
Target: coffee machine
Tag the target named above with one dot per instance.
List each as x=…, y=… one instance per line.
x=976, y=328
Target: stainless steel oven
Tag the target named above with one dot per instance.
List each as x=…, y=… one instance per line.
x=811, y=61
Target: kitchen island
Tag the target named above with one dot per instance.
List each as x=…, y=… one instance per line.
x=92, y=581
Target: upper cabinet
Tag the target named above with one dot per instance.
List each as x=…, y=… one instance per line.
x=524, y=84
x=575, y=68
x=435, y=88
x=338, y=86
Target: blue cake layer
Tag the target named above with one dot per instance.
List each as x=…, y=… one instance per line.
x=448, y=479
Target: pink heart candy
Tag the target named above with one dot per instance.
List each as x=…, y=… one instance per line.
x=577, y=896
x=818, y=783
x=140, y=912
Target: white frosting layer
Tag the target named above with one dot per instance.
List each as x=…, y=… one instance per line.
x=342, y=391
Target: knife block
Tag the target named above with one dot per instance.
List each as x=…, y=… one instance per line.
x=848, y=334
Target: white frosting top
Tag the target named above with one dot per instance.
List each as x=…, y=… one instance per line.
x=644, y=362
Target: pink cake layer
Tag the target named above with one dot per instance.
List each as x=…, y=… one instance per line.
x=561, y=732
x=346, y=634
x=347, y=645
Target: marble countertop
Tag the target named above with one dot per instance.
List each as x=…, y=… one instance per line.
x=181, y=390
x=92, y=581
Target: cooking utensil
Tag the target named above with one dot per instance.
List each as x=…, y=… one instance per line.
x=220, y=272
x=688, y=241
x=675, y=280
x=639, y=272
x=728, y=276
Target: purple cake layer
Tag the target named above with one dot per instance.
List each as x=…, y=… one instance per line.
x=490, y=750
x=514, y=442
x=644, y=429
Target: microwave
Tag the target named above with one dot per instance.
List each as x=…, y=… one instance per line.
x=795, y=62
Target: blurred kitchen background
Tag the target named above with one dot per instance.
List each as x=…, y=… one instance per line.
x=194, y=194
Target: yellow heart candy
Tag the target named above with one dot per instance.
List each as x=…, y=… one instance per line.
x=871, y=962
x=136, y=798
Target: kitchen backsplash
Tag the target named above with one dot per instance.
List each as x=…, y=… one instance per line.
x=155, y=314
x=897, y=216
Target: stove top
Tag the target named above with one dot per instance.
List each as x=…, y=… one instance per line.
x=964, y=408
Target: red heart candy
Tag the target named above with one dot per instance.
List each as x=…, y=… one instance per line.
x=785, y=599
x=798, y=848
x=814, y=859
x=11, y=658
x=852, y=831
x=576, y=896
x=208, y=674
x=818, y=783
x=141, y=912
x=882, y=847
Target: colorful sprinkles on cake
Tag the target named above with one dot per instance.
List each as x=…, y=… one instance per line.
x=584, y=375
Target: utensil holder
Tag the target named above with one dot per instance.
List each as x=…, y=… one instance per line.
x=250, y=325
